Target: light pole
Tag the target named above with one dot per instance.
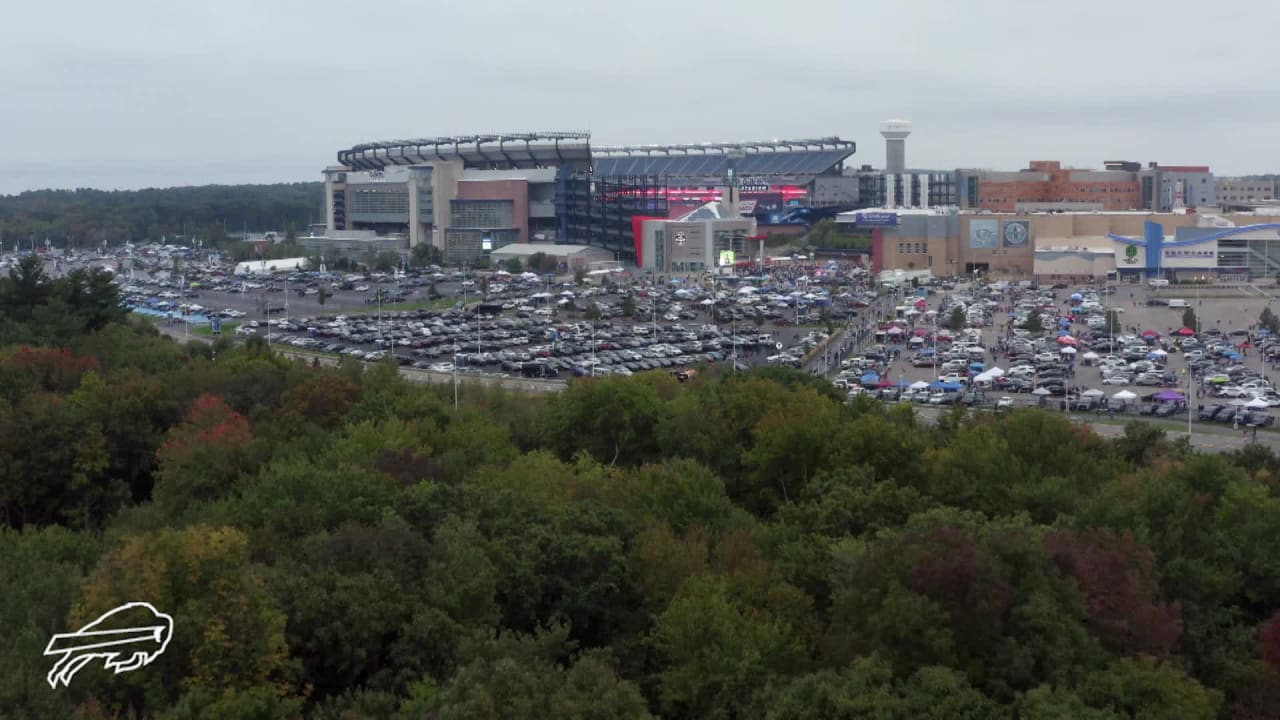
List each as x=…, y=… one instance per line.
x=733, y=323
x=1188, y=371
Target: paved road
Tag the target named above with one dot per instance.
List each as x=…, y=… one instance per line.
x=1203, y=438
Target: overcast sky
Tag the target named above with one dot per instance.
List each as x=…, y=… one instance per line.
x=139, y=93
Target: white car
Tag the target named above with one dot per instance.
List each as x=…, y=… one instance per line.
x=362, y=288
x=1004, y=402
x=1117, y=380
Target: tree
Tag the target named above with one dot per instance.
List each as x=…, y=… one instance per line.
x=1189, y=319
x=824, y=234
x=1269, y=320
x=628, y=306
x=513, y=266
x=41, y=572
x=228, y=633
x=425, y=254
x=716, y=654
x=1118, y=577
x=956, y=321
x=1033, y=323
x=203, y=458
x=1113, y=322
x=1146, y=688
x=27, y=288
x=322, y=294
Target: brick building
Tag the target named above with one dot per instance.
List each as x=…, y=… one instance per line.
x=1046, y=182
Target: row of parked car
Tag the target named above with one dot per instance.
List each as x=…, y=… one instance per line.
x=1232, y=414
x=530, y=347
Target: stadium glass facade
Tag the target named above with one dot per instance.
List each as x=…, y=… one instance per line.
x=428, y=188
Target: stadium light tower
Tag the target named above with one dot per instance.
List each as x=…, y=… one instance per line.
x=732, y=190
x=895, y=134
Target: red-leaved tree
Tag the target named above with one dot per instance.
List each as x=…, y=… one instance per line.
x=1118, y=577
x=204, y=455
x=50, y=369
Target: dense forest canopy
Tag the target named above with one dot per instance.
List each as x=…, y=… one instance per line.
x=87, y=218
x=341, y=544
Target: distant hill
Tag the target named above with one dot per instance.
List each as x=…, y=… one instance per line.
x=86, y=217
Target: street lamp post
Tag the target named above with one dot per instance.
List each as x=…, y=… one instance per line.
x=733, y=323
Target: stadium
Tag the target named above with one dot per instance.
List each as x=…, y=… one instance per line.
x=470, y=194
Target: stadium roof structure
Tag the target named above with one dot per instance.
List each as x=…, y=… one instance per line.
x=796, y=160
x=502, y=151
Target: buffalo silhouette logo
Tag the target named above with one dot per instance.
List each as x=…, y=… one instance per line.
x=126, y=638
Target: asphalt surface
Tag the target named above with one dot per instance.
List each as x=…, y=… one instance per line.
x=1226, y=309
x=1205, y=436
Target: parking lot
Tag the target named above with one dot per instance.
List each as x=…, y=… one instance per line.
x=520, y=324
x=1213, y=370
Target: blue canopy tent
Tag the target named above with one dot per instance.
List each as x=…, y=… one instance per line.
x=944, y=386
x=869, y=379
x=1232, y=355
x=927, y=353
x=977, y=366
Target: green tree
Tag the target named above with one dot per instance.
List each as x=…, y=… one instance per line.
x=513, y=266
x=40, y=572
x=717, y=654
x=1113, y=322
x=1269, y=320
x=228, y=633
x=1189, y=319
x=425, y=254
x=1146, y=688
x=26, y=289
x=956, y=321
x=1033, y=323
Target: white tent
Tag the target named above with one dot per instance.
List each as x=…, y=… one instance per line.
x=995, y=372
x=1091, y=355
x=1124, y=396
x=919, y=385
x=266, y=267
x=1068, y=351
x=1040, y=391
x=1092, y=393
